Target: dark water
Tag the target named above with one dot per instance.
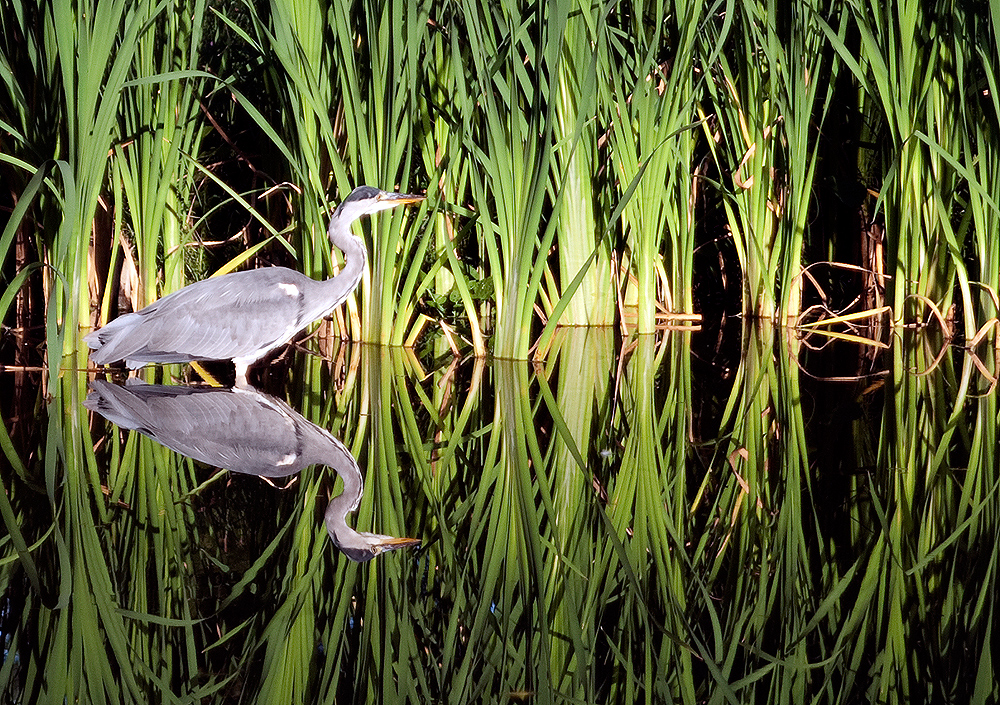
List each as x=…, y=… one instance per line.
x=660, y=523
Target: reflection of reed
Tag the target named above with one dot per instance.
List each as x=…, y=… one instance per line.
x=244, y=431
x=773, y=536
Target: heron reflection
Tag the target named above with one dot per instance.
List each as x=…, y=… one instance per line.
x=244, y=431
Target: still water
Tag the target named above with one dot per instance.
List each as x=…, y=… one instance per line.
x=646, y=523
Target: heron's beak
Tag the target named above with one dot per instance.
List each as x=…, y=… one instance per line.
x=400, y=199
x=392, y=543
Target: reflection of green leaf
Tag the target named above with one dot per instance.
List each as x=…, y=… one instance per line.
x=569, y=523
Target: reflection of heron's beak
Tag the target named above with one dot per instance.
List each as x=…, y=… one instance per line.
x=392, y=543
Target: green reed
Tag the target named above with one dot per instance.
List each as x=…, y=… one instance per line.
x=915, y=68
x=923, y=187
x=332, y=136
x=439, y=134
x=75, y=124
x=766, y=146
x=97, y=72
x=575, y=170
x=160, y=133
x=981, y=165
x=649, y=105
x=526, y=127
x=509, y=137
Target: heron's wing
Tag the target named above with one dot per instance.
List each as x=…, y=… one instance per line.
x=243, y=314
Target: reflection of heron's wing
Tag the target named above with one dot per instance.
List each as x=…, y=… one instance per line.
x=237, y=430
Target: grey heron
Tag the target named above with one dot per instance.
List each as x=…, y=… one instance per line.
x=244, y=431
x=243, y=315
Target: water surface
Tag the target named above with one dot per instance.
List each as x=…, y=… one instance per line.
x=609, y=525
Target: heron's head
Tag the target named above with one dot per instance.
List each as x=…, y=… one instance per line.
x=365, y=200
x=361, y=546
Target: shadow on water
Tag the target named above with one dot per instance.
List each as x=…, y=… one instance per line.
x=592, y=529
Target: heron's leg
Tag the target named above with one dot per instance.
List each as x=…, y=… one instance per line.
x=241, y=374
x=204, y=374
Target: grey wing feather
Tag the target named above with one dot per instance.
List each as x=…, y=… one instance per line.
x=236, y=315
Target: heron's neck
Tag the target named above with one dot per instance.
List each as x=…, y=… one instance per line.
x=355, y=257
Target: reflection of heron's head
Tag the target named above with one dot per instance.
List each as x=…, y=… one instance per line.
x=357, y=545
x=361, y=546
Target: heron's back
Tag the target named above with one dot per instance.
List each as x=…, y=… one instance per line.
x=242, y=316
